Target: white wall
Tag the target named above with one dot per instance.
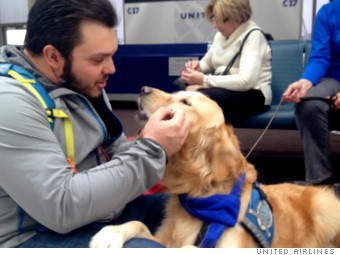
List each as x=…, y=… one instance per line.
x=119, y=6
x=13, y=11
x=307, y=15
x=157, y=22
x=320, y=3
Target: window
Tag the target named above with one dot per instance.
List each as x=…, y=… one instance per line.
x=15, y=36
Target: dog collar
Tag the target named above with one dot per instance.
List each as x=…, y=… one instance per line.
x=219, y=211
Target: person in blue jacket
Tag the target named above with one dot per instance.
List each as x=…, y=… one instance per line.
x=317, y=96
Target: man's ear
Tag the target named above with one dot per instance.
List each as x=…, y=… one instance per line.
x=53, y=57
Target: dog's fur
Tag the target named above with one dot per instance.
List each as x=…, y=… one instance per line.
x=210, y=162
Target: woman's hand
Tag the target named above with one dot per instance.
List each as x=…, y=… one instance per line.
x=193, y=64
x=192, y=76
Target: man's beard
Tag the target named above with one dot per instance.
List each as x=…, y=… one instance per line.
x=70, y=81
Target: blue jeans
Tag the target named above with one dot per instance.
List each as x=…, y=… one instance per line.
x=147, y=209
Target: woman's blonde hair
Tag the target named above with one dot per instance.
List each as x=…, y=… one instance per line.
x=235, y=10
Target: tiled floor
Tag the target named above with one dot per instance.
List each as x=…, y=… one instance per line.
x=277, y=157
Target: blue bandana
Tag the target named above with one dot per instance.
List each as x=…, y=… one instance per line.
x=220, y=211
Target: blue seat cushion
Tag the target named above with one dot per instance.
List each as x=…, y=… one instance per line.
x=284, y=118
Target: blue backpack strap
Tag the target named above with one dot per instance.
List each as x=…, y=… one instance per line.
x=37, y=85
x=37, y=89
x=4, y=71
x=4, y=68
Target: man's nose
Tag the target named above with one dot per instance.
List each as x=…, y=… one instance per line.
x=110, y=67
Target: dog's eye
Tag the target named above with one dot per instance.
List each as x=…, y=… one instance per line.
x=186, y=101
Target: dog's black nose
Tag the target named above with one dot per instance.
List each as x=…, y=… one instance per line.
x=145, y=90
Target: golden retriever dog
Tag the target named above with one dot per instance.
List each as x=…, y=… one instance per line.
x=209, y=168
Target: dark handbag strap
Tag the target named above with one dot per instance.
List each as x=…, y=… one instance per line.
x=232, y=61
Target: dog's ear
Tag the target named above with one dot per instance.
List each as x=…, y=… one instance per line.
x=227, y=161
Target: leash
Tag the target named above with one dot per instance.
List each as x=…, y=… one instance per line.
x=266, y=128
x=329, y=100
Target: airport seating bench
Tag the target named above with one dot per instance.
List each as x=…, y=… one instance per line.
x=288, y=60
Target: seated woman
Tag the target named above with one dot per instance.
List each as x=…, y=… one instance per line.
x=245, y=88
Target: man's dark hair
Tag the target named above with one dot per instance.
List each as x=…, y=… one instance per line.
x=57, y=22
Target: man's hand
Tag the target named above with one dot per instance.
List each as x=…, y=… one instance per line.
x=168, y=128
x=336, y=101
x=297, y=90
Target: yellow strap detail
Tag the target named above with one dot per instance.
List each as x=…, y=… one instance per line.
x=57, y=113
x=18, y=77
x=68, y=129
x=27, y=84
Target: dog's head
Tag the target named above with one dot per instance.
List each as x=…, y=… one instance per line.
x=197, y=106
x=210, y=160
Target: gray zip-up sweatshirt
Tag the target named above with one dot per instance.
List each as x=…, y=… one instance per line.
x=38, y=186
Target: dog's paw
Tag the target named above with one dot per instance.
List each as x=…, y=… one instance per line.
x=107, y=238
x=189, y=246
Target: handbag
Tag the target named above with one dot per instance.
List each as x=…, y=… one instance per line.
x=179, y=83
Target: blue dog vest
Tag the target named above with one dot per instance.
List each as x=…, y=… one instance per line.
x=221, y=211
